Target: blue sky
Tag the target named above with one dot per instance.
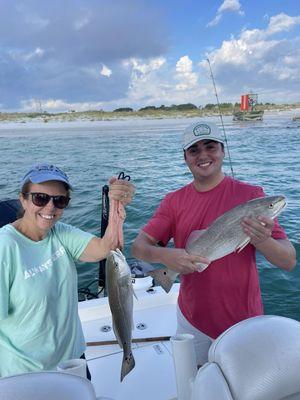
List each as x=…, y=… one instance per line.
x=105, y=54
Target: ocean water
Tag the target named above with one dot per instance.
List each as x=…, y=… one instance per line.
x=266, y=153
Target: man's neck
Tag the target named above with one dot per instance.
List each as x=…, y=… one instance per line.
x=205, y=184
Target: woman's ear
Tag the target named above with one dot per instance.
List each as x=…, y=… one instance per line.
x=22, y=200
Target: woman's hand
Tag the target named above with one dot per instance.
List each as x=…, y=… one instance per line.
x=121, y=190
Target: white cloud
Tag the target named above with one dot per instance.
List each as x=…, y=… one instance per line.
x=142, y=67
x=159, y=82
x=256, y=60
x=30, y=16
x=83, y=20
x=215, y=21
x=27, y=56
x=76, y=40
x=253, y=44
x=145, y=82
x=226, y=6
x=58, y=105
x=105, y=71
x=184, y=73
x=281, y=23
x=67, y=56
x=290, y=60
x=231, y=5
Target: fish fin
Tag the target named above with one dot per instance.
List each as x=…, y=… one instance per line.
x=243, y=244
x=164, y=277
x=128, y=364
x=194, y=235
x=201, y=267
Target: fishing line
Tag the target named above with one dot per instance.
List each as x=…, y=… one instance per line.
x=220, y=115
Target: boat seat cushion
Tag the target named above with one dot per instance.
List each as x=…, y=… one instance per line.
x=210, y=384
x=260, y=358
x=46, y=385
x=9, y=210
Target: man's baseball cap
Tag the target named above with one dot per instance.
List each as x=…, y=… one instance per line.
x=201, y=131
x=45, y=172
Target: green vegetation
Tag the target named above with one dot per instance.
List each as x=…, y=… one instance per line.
x=173, y=111
x=173, y=107
x=123, y=109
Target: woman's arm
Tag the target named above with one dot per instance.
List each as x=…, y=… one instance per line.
x=98, y=248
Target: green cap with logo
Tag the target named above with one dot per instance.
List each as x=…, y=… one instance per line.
x=201, y=131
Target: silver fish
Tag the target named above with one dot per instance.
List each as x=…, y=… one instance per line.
x=120, y=298
x=224, y=236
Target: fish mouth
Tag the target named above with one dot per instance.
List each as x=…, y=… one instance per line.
x=282, y=201
x=280, y=205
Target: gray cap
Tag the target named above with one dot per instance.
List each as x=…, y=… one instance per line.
x=45, y=172
x=201, y=131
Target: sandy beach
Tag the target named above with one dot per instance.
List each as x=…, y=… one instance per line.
x=289, y=110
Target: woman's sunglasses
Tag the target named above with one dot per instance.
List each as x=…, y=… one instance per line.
x=42, y=199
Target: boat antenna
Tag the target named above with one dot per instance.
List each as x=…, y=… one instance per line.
x=221, y=117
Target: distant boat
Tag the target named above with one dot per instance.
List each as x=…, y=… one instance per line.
x=248, y=115
x=296, y=118
x=247, y=109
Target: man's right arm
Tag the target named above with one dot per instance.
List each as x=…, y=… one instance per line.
x=145, y=248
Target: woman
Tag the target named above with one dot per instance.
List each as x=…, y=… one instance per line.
x=39, y=323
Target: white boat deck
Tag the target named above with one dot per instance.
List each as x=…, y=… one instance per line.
x=153, y=376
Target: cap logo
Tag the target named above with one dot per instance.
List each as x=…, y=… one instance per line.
x=202, y=130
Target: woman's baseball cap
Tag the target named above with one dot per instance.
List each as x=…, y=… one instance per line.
x=45, y=172
x=201, y=131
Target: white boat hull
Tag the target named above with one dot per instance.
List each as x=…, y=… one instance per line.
x=153, y=376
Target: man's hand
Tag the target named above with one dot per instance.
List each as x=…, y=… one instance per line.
x=258, y=229
x=180, y=261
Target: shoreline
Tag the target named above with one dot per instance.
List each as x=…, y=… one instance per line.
x=96, y=116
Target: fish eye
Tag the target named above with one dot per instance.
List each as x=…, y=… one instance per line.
x=271, y=205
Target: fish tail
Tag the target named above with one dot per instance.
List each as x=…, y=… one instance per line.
x=164, y=277
x=128, y=364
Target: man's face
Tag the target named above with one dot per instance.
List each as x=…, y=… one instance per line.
x=205, y=159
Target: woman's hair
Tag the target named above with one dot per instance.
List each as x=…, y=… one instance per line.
x=26, y=189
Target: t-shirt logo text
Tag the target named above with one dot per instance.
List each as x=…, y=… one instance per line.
x=29, y=273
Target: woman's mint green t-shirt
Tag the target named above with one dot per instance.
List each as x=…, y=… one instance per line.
x=39, y=322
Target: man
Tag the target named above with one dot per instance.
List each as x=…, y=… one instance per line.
x=228, y=290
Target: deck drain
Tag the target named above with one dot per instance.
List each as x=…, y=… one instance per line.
x=105, y=328
x=158, y=349
x=151, y=290
x=141, y=326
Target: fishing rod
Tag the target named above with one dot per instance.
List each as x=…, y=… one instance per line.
x=104, y=223
x=220, y=115
x=86, y=293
